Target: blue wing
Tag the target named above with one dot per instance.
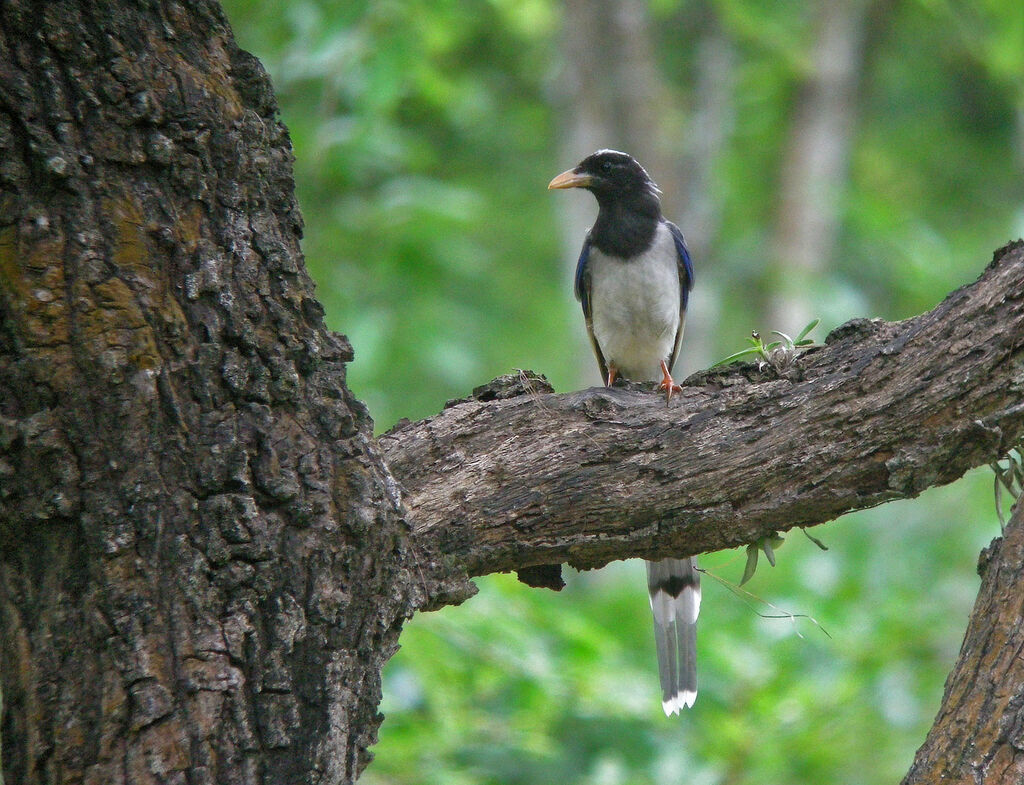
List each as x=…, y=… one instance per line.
x=685, y=264
x=685, y=284
x=582, y=285
x=582, y=288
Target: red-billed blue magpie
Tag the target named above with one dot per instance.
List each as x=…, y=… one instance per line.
x=633, y=279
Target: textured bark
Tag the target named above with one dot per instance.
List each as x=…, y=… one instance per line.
x=881, y=412
x=978, y=736
x=204, y=564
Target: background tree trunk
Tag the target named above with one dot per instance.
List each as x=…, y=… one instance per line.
x=204, y=565
x=616, y=96
x=615, y=91
x=814, y=171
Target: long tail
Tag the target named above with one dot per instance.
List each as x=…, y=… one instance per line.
x=674, y=586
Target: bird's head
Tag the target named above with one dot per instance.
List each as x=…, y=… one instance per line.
x=610, y=176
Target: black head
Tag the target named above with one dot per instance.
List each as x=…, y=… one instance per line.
x=628, y=200
x=610, y=176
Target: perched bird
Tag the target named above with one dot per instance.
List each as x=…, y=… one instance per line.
x=633, y=279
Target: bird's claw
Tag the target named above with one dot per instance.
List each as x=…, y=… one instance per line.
x=668, y=384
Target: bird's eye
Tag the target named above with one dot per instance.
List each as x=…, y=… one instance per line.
x=606, y=167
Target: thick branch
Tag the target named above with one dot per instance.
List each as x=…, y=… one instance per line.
x=881, y=412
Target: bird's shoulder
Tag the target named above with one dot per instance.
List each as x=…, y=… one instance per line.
x=581, y=281
x=683, y=254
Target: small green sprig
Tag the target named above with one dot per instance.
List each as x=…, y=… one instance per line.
x=766, y=544
x=770, y=353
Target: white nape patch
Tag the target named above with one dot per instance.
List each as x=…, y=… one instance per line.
x=689, y=604
x=635, y=307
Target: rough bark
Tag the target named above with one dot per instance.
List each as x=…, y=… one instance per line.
x=204, y=564
x=978, y=735
x=881, y=412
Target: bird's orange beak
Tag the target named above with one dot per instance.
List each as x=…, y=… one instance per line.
x=571, y=179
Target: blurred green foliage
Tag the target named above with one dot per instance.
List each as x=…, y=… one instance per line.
x=423, y=147
x=425, y=133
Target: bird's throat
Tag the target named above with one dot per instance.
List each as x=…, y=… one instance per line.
x=626, y=228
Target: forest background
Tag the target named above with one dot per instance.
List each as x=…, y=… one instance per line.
x=825, y=160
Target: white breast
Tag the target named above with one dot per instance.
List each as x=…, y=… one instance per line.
x=635, y=307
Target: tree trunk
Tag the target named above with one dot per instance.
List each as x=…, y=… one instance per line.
x=204, y=563
x=204, y=560
x=978, y=736
x=613, y=97
x=814, y=168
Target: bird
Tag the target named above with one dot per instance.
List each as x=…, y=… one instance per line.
x=633, y=279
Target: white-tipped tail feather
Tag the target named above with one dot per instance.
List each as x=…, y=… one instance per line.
x=676, y=704
x=674, y=588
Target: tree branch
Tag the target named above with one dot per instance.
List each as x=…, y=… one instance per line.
x=881, y=412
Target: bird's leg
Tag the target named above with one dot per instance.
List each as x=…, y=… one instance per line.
x=668, y=383
x=612, y=373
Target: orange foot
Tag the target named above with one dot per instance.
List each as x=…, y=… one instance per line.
x=668, y=384
x=612, y=373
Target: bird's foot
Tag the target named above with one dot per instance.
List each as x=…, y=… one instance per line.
x=668, y=384
x=613, y=372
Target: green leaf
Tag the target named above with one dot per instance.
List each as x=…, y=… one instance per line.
x=786, y=338
x=751, y=566
x=804, y=332
x=998, y=492
x=736, y=356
